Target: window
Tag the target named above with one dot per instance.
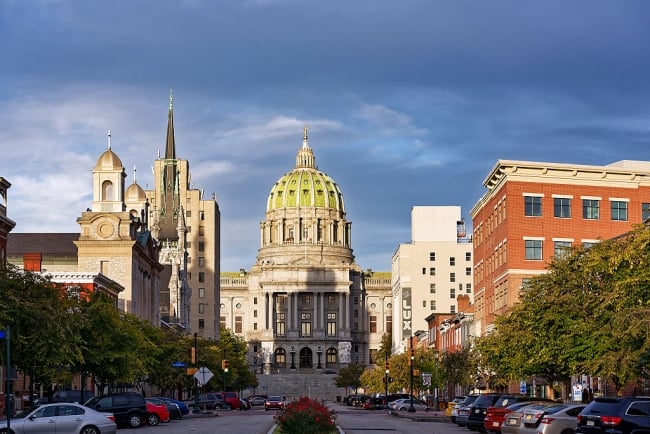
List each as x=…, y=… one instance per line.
x=202, y=215
x=468, y=256
x=356, y=313
x=452, y=308
x=280, y=357
x=280, y=324
x=532, y=206
x=468, y=271
x=201, y=292
x=305, y=324
x=355, y=300
x=432, y=256
x=201, y=261
x=432, y=271
x=104, y=268
x=432, y=304
x=373, y=324
x=534, y=250
x=201, y=307
x=222, y=321
x=452, y=293
x=201, y=324
x=188, y=244
x=201, y=246
x=424, y=270
x=452, y=277
x=201, y=276
x=331, y=299
x=468, y=288
x=561, y=248
x=590, y=209
x=238, y=324
x=645, y=211
x=255, y=313
x=201, y=230
x=432, y=288
x=619, y=210
x=372, y=356
x=254, y=326
x=254, y=300
x=562, y=207
x=389, y=322
x=330, y=357
x=188, y=213
x=452, y=261
x=424, y=303
x=331, y=324
x=306, y=299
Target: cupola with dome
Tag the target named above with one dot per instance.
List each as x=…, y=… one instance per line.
x=305, y=209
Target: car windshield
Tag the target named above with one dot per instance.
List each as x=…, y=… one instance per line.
x=275, y=398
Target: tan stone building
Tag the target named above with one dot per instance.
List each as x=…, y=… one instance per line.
x=305, y=304
x=6, y=224
x=431, y=273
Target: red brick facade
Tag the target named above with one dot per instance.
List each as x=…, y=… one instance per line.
x=502, y=228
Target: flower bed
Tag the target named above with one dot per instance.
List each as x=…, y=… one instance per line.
x=304, y=416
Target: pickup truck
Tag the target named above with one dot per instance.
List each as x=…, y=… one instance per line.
x=208, y=401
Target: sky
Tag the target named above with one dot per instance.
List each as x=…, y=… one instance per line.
x=408, y=102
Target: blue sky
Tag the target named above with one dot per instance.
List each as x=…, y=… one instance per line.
x=409, y=102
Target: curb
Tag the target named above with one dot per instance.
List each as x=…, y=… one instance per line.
x=420, y=417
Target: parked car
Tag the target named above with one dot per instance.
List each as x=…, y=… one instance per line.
x=533, y=414
x=562, y=421
x=405, y=404
x=462, y=412
x=129, y=408
x=156, y=411
x=274, y=402
x=232, y=401
x=622, y=415
x=207, y=401
x=513, y=423
x=478, y=408
x=64, y=417
x=495, y=416
x=257, y=400
x=72, y=396
x=375, y=403
x=174, y=405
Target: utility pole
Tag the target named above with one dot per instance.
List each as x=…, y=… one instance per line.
x=195, y=362
x=411, y=409
x=386, y=378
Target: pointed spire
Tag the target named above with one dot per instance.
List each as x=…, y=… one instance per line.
x=304, y=136
x=109, y=140
x=135, y=171
x=170, y=147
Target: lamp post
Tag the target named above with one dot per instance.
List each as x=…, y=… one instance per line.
x=293, y=353
x=225, y=370
x=196, y=380
x=386, y=378
x=319, y=352
x=411, y=409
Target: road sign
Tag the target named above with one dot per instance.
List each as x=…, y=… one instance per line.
x=192, y=371
x=522, y=387
x=3, y=334
x=203, y=375
x=426, y=379
x=178, y=365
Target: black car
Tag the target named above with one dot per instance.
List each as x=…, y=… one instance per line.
x=128, y=408
x=478, y=409
x=78, y=396
x=174, y=409
x=621, y=415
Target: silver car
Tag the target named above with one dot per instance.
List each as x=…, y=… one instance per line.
x=405, y=404
x=62, y=418
x=562, y=421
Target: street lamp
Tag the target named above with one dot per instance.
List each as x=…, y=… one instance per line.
x=411, y=409
x=293, y=353
x=319, y=352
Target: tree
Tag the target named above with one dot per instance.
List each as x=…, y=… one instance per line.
x=349, y=376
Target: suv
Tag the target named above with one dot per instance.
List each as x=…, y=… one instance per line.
x=615, y=414
x=129, y=408
x=208, y=401
x=72, y=396
x=232, y=400
x=478, y=409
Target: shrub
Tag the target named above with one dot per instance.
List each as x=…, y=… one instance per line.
x=306, y=415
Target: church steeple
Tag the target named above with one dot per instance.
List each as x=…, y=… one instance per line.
x=170, y=147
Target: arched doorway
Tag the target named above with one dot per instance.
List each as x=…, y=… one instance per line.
x=306, y=357
x=331, y=358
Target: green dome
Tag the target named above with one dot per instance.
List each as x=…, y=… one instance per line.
x=305, y=186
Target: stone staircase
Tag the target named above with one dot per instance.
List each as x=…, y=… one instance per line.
x=297, y=383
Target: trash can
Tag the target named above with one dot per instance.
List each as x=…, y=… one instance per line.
x=338, y=398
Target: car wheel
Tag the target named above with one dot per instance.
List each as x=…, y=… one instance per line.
x=568, y=431
x=152, y=419
x=135, y=420
x=89, y=430
x=402, y=409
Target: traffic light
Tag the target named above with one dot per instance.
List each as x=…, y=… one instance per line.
x=224, y=365
x=387, y=366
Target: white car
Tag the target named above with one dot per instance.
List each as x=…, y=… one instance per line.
x=405, y=403
x=61, y=417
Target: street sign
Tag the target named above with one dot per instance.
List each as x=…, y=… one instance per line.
x=426, y=379
x=192, y=371
x=522, y=387
x=178, y=365
x=203, y=375
x=3, y=334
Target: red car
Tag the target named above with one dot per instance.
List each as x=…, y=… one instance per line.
x=156, y=411
x=496, y=415
x=274, y=402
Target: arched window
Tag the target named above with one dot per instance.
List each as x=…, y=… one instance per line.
x=331, y=357
x=280, y=358
x=107, y=190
